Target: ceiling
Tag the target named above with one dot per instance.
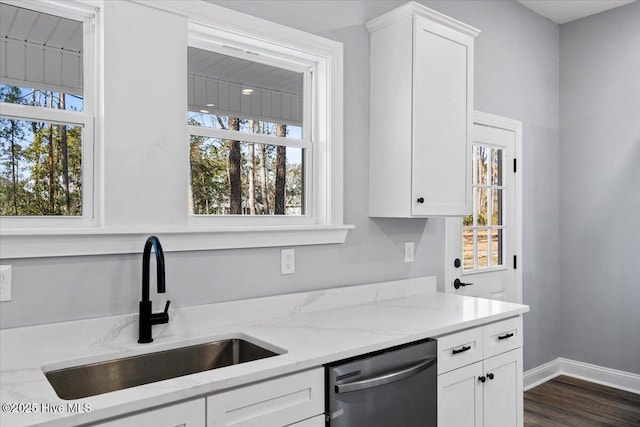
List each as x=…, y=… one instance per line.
x=217, y=66
x=41, y=29
x=562, y=11
x=39, y=50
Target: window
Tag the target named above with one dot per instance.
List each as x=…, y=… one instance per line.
x=264, y=133
x=482, y=232
x=156, y=161
x=46, y=116
x=249, y=147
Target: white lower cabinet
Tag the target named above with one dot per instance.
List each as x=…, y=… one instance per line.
x=474, y=391
x=503, y=396
x=186, y=414
x=275, y=403
x=293, y=400
x=460, y=397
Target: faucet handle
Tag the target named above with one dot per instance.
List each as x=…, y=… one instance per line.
x=157, y=318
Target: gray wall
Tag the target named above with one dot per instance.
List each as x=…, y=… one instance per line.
x=600, y=188
x=516, y=76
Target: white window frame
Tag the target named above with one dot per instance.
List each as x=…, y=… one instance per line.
x=209, y=39
x=288, y=44
x=226, y=31
x=85, y=119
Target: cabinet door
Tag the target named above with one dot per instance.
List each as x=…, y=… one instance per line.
x=442, y=120
x=273, y=403
x=460, y=397
x=503, y=397
x=187, y=414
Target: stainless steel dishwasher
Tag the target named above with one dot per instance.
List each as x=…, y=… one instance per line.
x=394, y=387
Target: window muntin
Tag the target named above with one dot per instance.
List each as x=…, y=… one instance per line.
x=246, y=120
x=483, y=231
x=46, y=93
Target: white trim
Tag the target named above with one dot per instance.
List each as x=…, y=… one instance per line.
x=621, y=380
x=99, y=242
x=233, y=24
x=44, y=114
x=413, y=8
x=78, y=10
x=541, y=374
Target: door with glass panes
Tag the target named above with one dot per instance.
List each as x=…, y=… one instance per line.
x=482, y=249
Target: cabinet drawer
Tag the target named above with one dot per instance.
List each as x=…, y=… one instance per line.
x=317, y=421
x=502, y=336
x=186, y=414
x=272, y=403
x=459, y=349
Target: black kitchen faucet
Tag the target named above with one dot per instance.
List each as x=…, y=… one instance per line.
x=147, y=318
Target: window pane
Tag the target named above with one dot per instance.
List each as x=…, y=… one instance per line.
x=482, y=158
x=496, y=207
x=483, y=247
x=467, y=248
x=243, y=178
x=482, y=207
x=496, y=166
x=41, y=168
x=42, y=56
x=41, y=98
x=227, y=86
x=496, y=247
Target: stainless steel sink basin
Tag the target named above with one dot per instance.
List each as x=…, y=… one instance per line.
x=97, y=378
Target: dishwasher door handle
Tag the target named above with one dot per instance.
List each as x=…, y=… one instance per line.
x=386, y=378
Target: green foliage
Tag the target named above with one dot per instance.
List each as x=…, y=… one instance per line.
x=210, y=191
x=33, y=178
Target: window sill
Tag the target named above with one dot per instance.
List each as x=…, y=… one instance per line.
x=80, y=242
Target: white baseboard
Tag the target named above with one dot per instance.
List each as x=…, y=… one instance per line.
x=596, y=374
x=542, y=374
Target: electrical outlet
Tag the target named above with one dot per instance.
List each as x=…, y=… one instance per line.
x=5, y=283
x=287, y=261
x=408, y=252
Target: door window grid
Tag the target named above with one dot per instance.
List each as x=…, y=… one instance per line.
x=483, y=231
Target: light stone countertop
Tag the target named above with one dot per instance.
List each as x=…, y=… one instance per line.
x=312, y=328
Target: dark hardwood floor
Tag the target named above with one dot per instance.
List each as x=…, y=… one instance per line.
x=567, y=401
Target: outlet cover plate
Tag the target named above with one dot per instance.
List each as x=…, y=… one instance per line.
x=287, y=261
x=5, y=283
x=408, y=252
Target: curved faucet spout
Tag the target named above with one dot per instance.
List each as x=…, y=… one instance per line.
x=154, y=242
x=147, y=318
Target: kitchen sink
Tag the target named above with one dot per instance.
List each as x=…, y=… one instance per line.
x=96, y=378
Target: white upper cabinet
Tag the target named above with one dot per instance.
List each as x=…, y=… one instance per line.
x=421, y=114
